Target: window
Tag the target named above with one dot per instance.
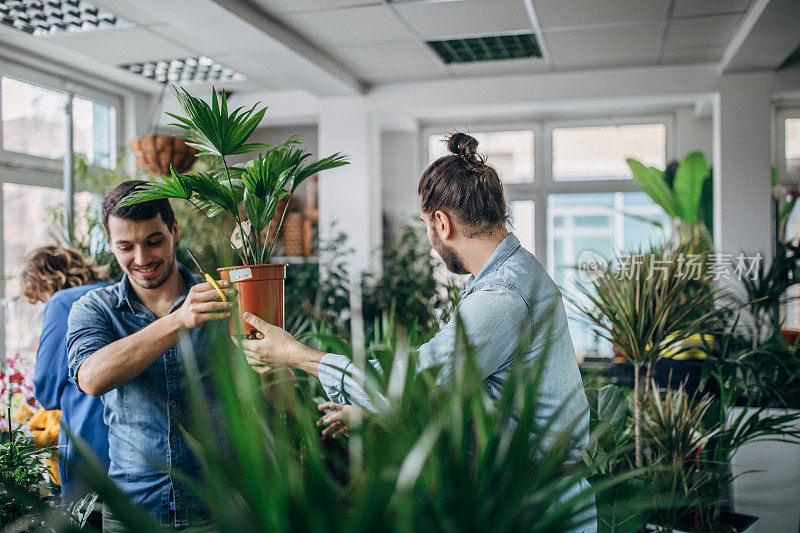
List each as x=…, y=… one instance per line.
x=599, y=152
x=34, y=123
x=25, y=210
x=791, y=145
x=93, y=129
x=33, y=133
x=33, y=119
x=522, y=218
x=583, y=197
x=606, y=224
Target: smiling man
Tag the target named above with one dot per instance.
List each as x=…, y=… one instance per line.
x=122, y=346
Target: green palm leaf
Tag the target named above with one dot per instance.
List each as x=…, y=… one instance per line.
x=175, y=187
x=214, y=131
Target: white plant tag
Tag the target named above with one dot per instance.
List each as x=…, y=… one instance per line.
x=240, y=274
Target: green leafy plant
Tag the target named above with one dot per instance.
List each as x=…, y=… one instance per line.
x=647, y=311
x=431, y=458
x=22, y=476
x=683, y=190
x=257, y=186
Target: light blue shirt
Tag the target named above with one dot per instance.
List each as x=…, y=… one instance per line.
x=511, y=292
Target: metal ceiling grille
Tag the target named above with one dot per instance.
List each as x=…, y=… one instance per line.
x=42, y=18
x=185, y=70
x=488, y=48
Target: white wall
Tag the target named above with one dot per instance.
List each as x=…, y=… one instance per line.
x=400, y=173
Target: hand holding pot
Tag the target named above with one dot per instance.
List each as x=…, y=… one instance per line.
x=202, y=305
x=273, y=347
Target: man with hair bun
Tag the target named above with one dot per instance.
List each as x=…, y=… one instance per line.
x=508, y=292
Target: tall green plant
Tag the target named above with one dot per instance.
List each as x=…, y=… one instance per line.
x=258, y=186
x=646, y=307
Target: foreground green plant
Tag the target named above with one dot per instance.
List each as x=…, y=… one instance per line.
x=432, y=458
x=258, y=186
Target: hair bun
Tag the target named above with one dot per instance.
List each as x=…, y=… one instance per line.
x=465, y=147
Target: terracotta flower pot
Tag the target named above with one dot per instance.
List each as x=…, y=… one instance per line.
x=790, y=335
x=260, y=291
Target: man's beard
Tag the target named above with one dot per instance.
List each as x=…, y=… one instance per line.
x=451, y=259
x=157, y=282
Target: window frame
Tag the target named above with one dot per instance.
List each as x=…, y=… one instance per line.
x=785, y=177
x=26, y=169
x=543, y=184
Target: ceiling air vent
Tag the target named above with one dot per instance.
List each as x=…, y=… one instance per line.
x=487, y=48
x=184, y=70
x=47, y=17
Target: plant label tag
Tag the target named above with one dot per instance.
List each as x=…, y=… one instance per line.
x=241, y=274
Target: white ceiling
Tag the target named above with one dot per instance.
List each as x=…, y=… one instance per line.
x=342, y=46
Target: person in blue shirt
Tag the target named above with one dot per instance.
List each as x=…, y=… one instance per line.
x=464, y=211
x=59, y=276
x=122, y=345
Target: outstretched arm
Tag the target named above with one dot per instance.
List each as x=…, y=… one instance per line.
x=99, y=367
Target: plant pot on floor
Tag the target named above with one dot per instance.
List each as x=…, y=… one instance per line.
x=259, y=291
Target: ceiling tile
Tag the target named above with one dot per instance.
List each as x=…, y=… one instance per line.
x=593, y=61
x=402, y=55
x=498, y=68
x=401, y=75
x=127, y=45
x=472, y=17
x=707, y=31
x=620, y=40
x=350, y=26
x=290, y=6
x=555, y=13
x=691, y=8
x=692, y=55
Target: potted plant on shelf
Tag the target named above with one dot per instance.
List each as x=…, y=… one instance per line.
x=249, y=194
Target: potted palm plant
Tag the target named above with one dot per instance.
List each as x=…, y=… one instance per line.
x=249, y=194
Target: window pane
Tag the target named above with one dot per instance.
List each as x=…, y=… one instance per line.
x=792, y=145
x=603, y=223
x=25, y=210
x=94, y=132
x=522, y=222
x=509, y=152
x=33, y=119
x=599, y=152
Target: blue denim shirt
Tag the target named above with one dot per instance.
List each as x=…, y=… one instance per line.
x=512, y=290
x=81, y=413
x=145, y=416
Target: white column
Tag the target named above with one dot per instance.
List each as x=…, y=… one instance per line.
x=742, y=160
x=350, y=195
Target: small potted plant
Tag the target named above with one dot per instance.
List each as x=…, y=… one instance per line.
x=249, y=194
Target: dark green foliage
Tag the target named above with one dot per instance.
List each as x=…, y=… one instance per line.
x=433, y=458
x=22, y=473
x=406, y=288
x=406, y=284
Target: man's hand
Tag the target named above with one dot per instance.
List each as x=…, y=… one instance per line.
x=276, y=347
x=201, y=305
x=336, y=418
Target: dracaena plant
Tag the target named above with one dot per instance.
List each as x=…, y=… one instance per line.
x=648, y=311
x=257, y=186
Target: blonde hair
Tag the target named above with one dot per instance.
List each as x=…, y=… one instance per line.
x=51, y=268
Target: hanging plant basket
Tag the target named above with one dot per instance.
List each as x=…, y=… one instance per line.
x=155, y=154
